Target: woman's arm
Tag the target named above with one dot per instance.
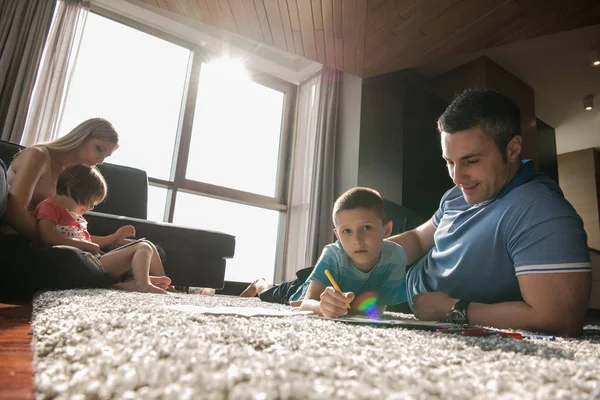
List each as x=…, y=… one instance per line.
x=49, y=237
x=32, y=164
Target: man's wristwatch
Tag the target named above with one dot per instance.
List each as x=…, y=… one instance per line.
x=458, y=313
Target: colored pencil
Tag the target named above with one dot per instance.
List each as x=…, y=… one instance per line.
x=335, y=285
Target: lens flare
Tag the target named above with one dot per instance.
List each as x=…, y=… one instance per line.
x=367, y=304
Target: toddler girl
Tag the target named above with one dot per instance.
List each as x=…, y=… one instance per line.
x=79, y=188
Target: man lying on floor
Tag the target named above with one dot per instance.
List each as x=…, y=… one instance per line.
x=505, y=248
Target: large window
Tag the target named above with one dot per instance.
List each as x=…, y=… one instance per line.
x=237, y=126
x=212, y=135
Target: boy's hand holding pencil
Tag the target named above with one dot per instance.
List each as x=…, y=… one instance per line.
x=334, y=302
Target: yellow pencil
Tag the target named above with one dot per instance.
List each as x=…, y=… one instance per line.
x=335, y=285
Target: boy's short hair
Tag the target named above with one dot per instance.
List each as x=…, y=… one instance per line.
x=84, y=184
x=360, y=197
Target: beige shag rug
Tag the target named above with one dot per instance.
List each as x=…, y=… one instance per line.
x=103, y=344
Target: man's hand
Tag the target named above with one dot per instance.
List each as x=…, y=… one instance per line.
x=432, y=306
x=333, y=304
x=124, y=232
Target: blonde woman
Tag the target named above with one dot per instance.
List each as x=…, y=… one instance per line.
x=31, y=178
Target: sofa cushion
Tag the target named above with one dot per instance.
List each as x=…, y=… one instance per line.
x=127, y=191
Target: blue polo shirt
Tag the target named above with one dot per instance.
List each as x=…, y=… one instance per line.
x=479, y=250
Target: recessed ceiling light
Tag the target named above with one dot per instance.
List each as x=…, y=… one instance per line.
x=588, y=102
x=595, y=58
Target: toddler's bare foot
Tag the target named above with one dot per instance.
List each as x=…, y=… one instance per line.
x=147, y=287
x=256, y=288
x=131, y=286
x=162, y=282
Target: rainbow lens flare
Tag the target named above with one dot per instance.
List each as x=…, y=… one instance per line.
x=367, y=304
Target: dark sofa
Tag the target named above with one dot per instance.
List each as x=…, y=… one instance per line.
x=194, y=257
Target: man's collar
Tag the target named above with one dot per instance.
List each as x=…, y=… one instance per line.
x=525, y=173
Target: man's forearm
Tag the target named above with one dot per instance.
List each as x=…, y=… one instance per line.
x=519, y=315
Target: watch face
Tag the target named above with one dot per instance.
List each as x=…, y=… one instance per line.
x=457, y=317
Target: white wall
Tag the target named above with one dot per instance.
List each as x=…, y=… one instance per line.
x=348, y=133
x=581, y=131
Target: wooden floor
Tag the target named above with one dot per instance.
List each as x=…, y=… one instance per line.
x=16, y=367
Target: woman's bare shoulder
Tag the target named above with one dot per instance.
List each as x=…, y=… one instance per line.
x=34, y=156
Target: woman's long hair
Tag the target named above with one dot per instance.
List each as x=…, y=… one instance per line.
x=94, y=128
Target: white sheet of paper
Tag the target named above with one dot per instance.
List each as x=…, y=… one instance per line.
x=402, y=323
x=241, y=311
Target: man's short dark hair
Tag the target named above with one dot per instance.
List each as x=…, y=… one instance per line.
x=84, y=184
x=497, y=115
x=360, y=197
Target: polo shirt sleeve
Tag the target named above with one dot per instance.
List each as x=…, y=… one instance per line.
x=547, y=236
x=329, y=260
x=47, y=210
x=437, y=216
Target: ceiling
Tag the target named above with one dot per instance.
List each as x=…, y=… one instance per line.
x=371, y=37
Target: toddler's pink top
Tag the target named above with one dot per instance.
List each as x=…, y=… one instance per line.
x=68, y=224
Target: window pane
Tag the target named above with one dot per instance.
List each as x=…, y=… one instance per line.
x=255, y=230
x=157, y=200
x=135, y=81
x=237, y=130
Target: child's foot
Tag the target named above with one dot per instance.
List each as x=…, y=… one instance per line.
x=162, y=282
x=256, y=288
x=131, y=286
x=147, y=287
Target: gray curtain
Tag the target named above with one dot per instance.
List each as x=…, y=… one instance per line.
x=55, y=72
x=312, y=192
x=24, y=26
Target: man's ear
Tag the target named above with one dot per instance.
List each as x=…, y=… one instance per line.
x=336, y=234
x=387, y=229
x=513, y=150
